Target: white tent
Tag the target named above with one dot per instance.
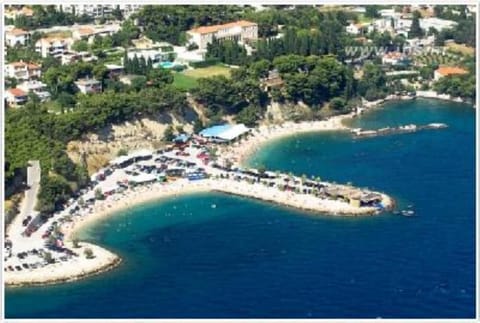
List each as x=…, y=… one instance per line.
x=142, y=178
x=234, y=132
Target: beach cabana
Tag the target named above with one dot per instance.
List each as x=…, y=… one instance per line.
x=142, y=179
x=224, y=133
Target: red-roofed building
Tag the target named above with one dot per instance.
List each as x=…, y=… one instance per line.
x=16, y=36
x=23, y=71
x=15, y=97
x=241, y=30
x=447, y=71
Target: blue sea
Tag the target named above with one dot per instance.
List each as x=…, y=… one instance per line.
x=218, y=256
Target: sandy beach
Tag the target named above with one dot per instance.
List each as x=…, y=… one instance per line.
x=239, y=152
x=242, y=150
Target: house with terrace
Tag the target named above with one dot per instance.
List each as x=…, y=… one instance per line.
x=23, y=71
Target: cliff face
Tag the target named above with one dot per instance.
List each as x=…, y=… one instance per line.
x=96, y=149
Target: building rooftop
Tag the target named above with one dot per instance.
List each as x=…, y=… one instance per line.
x=84, y=31
x=17, y=92
x=215, y=28
x=87, y=82
x=451, y=70
x=17, y=32
x=225, y=132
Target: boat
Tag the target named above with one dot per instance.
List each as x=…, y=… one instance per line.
x=408, y=212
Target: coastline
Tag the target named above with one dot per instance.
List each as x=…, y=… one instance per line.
x=105, y=260
x=240, y=152
x=243, y=150
x=57, y=273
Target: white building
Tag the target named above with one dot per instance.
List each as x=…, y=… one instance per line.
x=16, y=36
x=353, y=29
x=15, y=97
x=436, y=23
x=356, y=29
x=387, y=12
x=241, y=31
x=23, y=71
x=72, y=57
x=155, y=55
x=98, y=10
x=87, y=86
x=395, y=58
x=37, y=87
x=381, y=25
x=54, y=46
x=184, y=56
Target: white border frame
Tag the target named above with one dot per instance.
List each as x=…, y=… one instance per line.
x=236, y=2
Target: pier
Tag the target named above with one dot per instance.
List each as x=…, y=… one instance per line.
x=360, y=133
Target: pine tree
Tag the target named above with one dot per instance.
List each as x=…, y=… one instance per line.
x=415, y=29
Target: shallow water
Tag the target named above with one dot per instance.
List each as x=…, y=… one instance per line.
x=186, y=258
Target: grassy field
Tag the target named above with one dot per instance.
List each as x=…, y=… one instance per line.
x=461, y=48
x=59, y=34
x=208, y=71
x=184, y=82
x=188, y=79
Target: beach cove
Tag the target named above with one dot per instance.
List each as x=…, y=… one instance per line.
x=310, y=195
x=326, y=173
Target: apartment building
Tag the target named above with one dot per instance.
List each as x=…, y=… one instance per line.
x=37, y=87
x=54, y=46
x=98, y=10
x=240, y=31
x=23, y=71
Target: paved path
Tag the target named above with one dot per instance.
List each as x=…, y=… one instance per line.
x=28, y=204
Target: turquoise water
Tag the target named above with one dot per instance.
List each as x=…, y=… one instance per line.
x=166, y=64
x=243, y=258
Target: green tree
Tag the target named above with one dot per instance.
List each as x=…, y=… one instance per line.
x=338, y=104
x=415, y=29
x=168, y=134
x=88, y=253
x=80, y=46
x=198, y=125
x=160, y=77
x=98, y=194
x=371, y=11
x=138, y=83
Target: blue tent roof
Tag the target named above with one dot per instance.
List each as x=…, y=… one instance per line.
x=215, y=130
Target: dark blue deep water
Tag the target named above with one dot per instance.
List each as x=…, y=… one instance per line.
x=185, y=258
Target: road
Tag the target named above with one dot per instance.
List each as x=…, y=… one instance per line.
x=16, y=228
